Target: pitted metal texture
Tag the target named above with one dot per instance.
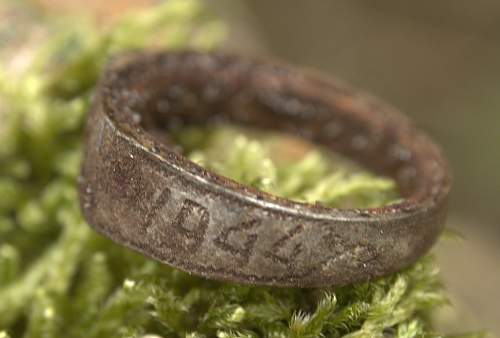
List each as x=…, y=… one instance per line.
x=139, y=191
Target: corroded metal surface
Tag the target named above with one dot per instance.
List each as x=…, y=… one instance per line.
x=137, y=190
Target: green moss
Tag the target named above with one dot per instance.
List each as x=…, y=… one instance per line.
x=60, y=279
x=261, y=160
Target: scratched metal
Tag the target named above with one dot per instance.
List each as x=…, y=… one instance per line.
x=139, y=191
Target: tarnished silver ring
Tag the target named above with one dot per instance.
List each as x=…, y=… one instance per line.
x=138, y=191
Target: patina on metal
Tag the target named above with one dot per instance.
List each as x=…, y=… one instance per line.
x=139, y=191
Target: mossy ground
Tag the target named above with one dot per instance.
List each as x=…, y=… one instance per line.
x=60, y=279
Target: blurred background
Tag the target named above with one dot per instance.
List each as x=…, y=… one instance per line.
x=438, y=61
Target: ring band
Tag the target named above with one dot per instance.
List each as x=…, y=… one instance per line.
x=138, y=191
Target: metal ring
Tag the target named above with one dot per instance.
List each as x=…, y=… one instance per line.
x=138, y=191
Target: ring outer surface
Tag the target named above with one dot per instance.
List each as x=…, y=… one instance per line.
x=142, y=194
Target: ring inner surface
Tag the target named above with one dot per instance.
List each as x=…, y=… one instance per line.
x=161, y=92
